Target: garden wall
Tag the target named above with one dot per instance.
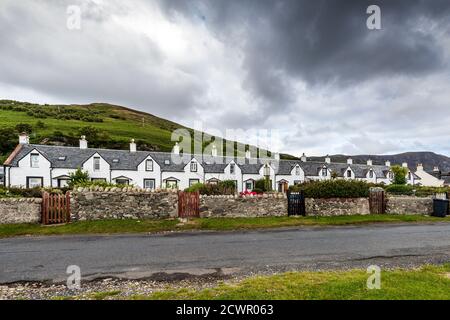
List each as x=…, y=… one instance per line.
x=128, y=203
x=409, y=205
x=20, y=210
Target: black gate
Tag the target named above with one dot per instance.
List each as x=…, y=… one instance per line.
x=296, y=203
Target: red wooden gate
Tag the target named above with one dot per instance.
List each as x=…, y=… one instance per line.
x=55, y=208
x=188, y=204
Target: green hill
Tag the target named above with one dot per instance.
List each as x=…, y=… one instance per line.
x=105, y=126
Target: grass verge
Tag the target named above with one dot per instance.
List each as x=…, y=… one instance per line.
x=429, y=282
x=219, y=224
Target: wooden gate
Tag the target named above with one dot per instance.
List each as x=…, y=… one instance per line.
x=188, y=204
x=377, y=201
x=55, y=208
x=296, y=203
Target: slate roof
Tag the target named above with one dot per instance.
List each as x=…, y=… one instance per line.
x=126, y=160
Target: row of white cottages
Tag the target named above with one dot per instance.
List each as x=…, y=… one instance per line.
x=44, y=166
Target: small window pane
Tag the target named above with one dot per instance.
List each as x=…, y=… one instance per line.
x=96, y=164
x=149, y=184
x=149, y=165
x=34, y=160
x=34, y=182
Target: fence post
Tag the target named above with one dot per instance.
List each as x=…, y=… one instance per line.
x=377, y=201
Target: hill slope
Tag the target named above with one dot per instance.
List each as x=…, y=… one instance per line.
x=105, y=126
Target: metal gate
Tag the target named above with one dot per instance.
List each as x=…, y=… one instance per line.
x=296, y=203
x=377, y=201
x=188, y=204
x=55, y=208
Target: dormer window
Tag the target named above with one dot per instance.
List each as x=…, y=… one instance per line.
x=232, y=168
x=115, y=160
x=266, y=170
x=297, y=170
x=391, y=175
x=96, y=163
x=149, y=165
x=371, y=174
x=63, y=158
x=349, y=173
x=409, y=176
x=167, y=162
x=324, y=172
x=193, y=166
x=34, y=160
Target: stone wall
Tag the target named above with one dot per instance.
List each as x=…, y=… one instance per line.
x=128, y=203
x=409, y=205
x=20, y=210
x=337, y=206
x=248, y=206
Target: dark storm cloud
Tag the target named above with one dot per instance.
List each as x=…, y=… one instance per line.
x=325, y=42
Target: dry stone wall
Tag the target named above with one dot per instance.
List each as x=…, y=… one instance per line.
x=20, y=210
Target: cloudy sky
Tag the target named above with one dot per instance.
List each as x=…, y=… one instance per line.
x=310, y=69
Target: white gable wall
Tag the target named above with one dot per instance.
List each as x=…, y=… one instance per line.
x=18, y=175
x=103, y=173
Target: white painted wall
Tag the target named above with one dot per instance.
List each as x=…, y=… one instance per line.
x=427, y=179
x=19, y=174
x=226, y=175
x=103, y=173
x=137, y=176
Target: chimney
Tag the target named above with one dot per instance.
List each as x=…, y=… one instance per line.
x=24, y=138
x=277, y=156
x=369, y=162
x=303, y=158
x=405, y=165
x=214, y=151
x=387, y=163
x=328, y=159
x=349, y=161
x=419, y=167
x=83, y=143
x=133, y=146
x=248, y=154
x=436, y=169
x=176, y=149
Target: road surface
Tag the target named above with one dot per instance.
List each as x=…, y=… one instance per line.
x=218, y=254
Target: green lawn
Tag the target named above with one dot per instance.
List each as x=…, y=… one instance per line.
x=430, y=282
x=220, y=224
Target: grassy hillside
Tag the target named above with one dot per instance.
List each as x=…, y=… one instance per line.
x=105, y=126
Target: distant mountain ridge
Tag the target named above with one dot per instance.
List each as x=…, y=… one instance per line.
x=428, y=159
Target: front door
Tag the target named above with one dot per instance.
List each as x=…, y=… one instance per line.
x=282, y=186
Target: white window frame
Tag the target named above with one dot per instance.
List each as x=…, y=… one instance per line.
x=371, y=174
x=123, y=179
x=41, y=183
x=34, y=160
x=147, y=166
x=95, y=164
x=150, y=180
x=349, y=173
x=232, y=168
x=194, y=166
x=297, y=170
x=324, y=172
x=193, y=181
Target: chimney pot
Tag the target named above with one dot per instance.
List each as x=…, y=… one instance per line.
x=369, y=162
x=303, y=158
x=405, y=165
x=277, y=156
x=388, y=163
x=349, y=161
x=176, y=148
x=214, y=151
x=248, y=154
x=328, y=159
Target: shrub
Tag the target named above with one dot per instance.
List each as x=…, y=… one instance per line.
x=400, y=189
x=20, y=193
x=78, y=177
x=399, y=175
x=334, y=189
x=223, y=187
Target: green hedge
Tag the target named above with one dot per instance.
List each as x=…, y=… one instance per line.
x=400, y=189
x=223, y=187
x=418, y=191
x=334, y=189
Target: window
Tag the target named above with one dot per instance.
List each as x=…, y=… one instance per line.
x=371, y=174
x=232, y=168
x=324, y=172
x=409, y=176
x=171, y=184
x=193, y=181
x=213, y=181
x=35, y=182
x=249, y=185
x=349, y=174
x=63, y=183
x=266, y=170
x=193, y=166
x=34, y=160
x=149, y=165
x=297, y=170
x=296, y=182
x=149, y=184
x=123, y=181
x=98, y=179
x=391, y=175
x=96, y=163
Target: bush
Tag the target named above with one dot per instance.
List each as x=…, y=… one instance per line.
x=78, y=177
x=399, y=175
x=20, y=193
x=334, y=189
x=400, y=189
x=430, y=191
x=223, y=187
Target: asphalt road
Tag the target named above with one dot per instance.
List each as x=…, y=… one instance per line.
x=206, y=253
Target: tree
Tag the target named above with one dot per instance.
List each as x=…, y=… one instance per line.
x=24, y=127
x=399, y=174
x=78, y=177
